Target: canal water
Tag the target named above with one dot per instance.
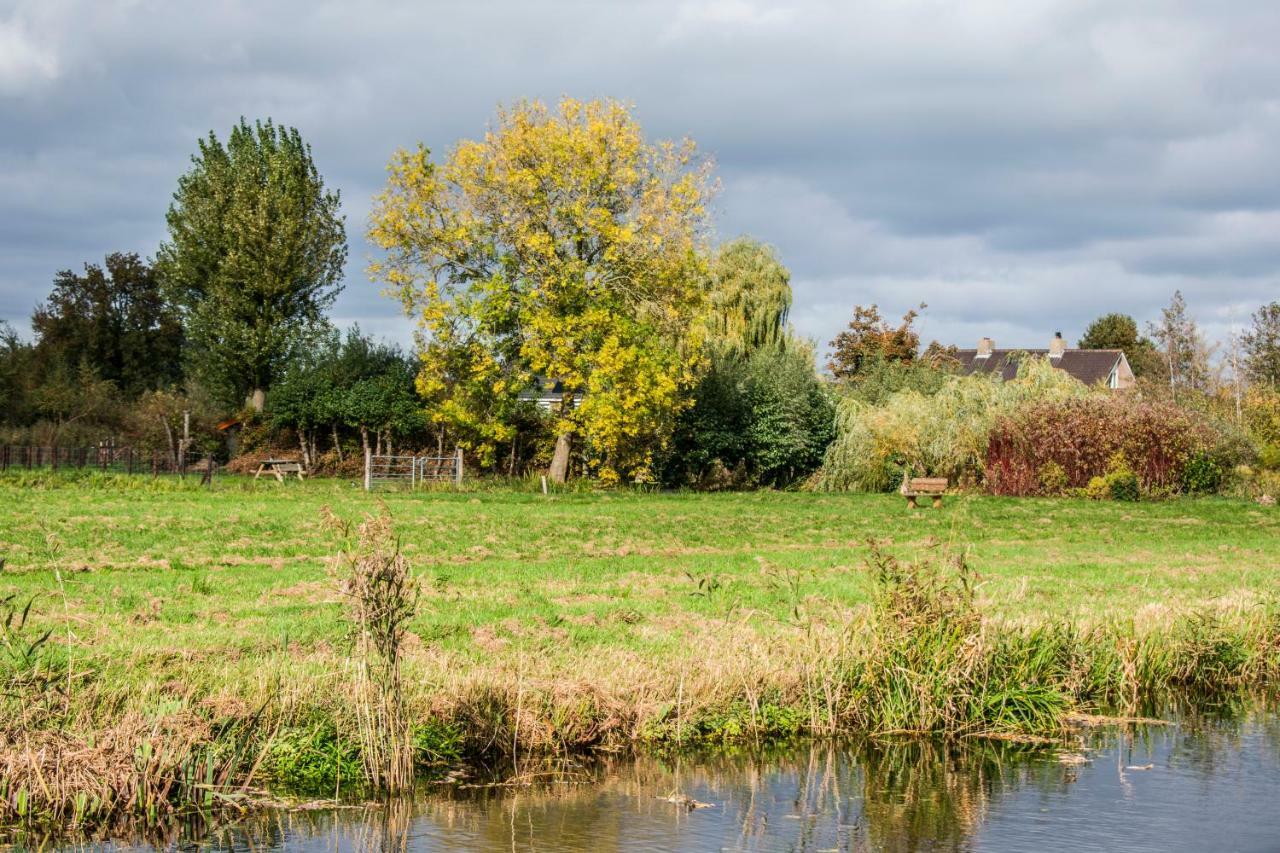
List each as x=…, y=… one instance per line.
x=1209, y=782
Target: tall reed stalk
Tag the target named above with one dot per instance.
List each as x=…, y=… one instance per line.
x=382, y=596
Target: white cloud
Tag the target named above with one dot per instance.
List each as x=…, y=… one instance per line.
x=24, y=62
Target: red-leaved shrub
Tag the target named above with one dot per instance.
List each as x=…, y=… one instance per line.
x=1081, y=436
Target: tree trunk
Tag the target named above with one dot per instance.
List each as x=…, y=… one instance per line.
x=377, y=442
x=258, y=399
x=168, y=434
x=559, y=470
x=440, y=442
x=306, y=455
x=364, y=439
x=337, y=446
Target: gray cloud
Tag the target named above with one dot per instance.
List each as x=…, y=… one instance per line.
x=1020, y=167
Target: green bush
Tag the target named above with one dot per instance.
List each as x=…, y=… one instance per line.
x=1202, y=473
x=1269, y=457
x=1123, y=485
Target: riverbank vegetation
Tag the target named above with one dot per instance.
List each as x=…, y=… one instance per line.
x=189, y=647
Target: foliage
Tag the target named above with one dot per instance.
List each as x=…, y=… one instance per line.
x=1122, y=483
x=255, y=254
x=563, y=245
x=1083, y=436
x=1120, y=331
x=767, y=418
x=944, y=434
x=115, y=319
x=749, y=300
x=790, y=415
x=71, y=394
x=1201, y=474
x=1185, y=353
x=1053, y=478
x=1262, y=346
x=16, y=366
x=347, y=382
x=869, y=337
x=880, y=378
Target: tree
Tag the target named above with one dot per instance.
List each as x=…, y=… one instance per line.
x=351, y=382
x=563, y=245
x=16, y=365
x=1120, y=331
x=1184, y=353
x=1261, y=346
x=750, y=298
x=255, y=254
x=69, y=395
x=117, y=320
x=869, y=337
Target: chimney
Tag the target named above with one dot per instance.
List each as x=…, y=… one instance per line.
x=1057, y=346
x=985, y=346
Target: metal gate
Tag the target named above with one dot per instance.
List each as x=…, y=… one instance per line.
x=382, y=471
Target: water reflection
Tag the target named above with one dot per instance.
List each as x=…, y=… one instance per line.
x=1208, y=783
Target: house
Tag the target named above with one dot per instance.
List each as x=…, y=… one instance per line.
x=1090, y=366
x=548, y=394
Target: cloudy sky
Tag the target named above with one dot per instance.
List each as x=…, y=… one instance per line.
x=1021, y=166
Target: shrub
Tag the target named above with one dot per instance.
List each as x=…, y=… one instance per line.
x=1098, y=489
x=1269, y=457
x=1053, y=479
x=1202, y=473
x=1123, y=485
x=945, y=434
x=1082, y=435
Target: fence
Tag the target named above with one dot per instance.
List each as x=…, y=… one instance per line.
x=381, y=471
x=116, y=460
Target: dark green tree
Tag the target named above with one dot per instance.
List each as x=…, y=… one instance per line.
x=16, y=365
x=1120, y=331
x=1261, y=346
x=116, y=319
x=255, y=255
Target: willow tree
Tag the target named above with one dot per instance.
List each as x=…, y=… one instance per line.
x=750, y=298
x=562, y=245
x=255, y=255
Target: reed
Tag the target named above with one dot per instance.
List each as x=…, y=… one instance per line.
x=382, y=597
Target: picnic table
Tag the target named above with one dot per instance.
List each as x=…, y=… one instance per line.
x=279, y=467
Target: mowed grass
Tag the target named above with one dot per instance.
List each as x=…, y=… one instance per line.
x=244, y=568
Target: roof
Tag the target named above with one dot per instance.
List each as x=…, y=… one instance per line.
x=1090, y=366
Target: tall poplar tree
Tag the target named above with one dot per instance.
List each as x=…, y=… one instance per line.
x=255, y=255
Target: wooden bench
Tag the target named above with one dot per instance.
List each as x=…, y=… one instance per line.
x=279, y=467
x=915, y=487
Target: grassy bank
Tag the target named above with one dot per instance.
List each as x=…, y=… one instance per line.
x=195, y=639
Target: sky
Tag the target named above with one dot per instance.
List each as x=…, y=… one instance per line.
x=1020, y=166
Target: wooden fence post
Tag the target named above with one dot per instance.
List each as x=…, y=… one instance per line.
x=457, y=467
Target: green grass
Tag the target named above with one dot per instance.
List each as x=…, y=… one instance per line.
x=577, y=619
x=244, y=568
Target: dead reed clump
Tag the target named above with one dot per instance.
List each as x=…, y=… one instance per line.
x=382, y=596
x=137, y=768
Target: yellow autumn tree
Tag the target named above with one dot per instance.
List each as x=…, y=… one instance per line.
x=561, y=245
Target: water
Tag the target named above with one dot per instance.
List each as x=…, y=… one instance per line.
x=1207, y=783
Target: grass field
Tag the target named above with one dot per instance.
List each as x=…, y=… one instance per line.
x=576, y=618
